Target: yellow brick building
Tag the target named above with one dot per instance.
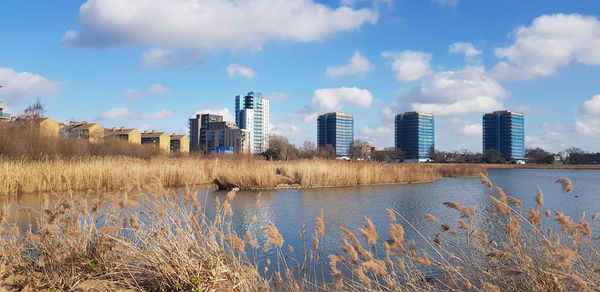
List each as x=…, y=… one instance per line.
x=91, y=132
x=132, y=136
x=46, y=126
x=159, y=139
x=180, y=143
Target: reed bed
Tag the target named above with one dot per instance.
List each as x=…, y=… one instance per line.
x=143, y=238
x=244, y=172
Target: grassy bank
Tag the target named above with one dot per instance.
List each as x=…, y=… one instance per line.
x=109, y=173
x=169, y=244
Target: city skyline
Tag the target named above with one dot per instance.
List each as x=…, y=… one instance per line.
x=86, y=60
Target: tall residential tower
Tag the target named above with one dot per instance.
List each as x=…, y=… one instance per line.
x=414, y=134
x=337, y=130
x=252, y=113
x=504, y=131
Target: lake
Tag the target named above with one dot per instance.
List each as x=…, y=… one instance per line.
x=348, y=206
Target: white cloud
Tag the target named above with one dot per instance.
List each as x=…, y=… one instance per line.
x=588, y=123
x=123, y=113
x=550, y=42
x=277, y=96
x=387, y=114
x=357, y=64
x=409, y=65
x=464, y=48
x=592, y=106
x=380, y=136
x=457, y=92
x=227, y=115
x=210, y=24
x=17, y=86
x=154, y=89
x=234, y=70
x=333, y=98
x=446, y=3
x=306, y=114
x=287, y=130
x=158, y=89
x=550, y=140
x=464, y=128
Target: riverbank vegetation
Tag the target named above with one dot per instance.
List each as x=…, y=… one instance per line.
x=246, y=172
x=143, y=238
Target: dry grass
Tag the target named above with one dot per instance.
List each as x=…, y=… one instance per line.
x=110, y=173
x=129, y=240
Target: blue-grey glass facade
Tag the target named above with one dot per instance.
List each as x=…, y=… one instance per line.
x=414, y=134
x=337, y=130
x=505, y=131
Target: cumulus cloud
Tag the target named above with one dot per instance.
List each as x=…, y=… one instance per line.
x=377, y=135
x=122, y=113
x=334, y=98
x=158, y=58
x=592, y=106
x=227, y=115
x=387, y=114
x=286, y=130
x=154, y=89
x=550, y=42
x=357, y=64
x=305, y=114
x=409, y=65
x=210, y=24
x=234, y=70
x=588, y=123
x=465, y=128
x=17, y=86
x=551, y=140
x=457, y=92
x=277, y=96
x=446, y=3
x=464, y=48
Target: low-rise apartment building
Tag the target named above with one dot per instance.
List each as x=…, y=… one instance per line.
x=4, y=117
x=132, y=136
x=46, y=126
x=91, y=132
x=180, y=144
x=158, y=139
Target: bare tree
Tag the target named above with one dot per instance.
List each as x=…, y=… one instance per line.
x=33, y=111
x=359, y=150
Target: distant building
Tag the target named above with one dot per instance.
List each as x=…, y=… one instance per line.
x=3, y=116
x=252, y=113
x=179, y=144
x=504, y=131
x=132, y=136
x=414, y=134
x=158, y=139
x=46, y=126
x=337, y=130
x=91, y=132
x=198, y=128
x=210, y=135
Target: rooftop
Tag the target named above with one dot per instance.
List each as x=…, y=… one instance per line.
x=153, y=134
x=507, y=112
x=120, y=130
x=336, y=115
x=413, y=113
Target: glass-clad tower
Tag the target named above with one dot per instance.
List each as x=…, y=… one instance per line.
x=337, y=130
x=414, y=134
x=504, y=131
x=252, y=113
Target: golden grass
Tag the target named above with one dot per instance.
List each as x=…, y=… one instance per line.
x=144, y=238
x=110, y=173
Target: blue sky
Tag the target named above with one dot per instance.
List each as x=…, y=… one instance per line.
x=153, y=64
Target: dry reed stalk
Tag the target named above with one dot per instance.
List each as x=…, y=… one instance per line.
x=566, y=184
x=273, y=235
x=392, y=216
x=320, y=222
x=430, y=218
x=539, y=199
x=369, y=232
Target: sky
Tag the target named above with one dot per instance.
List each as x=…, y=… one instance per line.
x=152, y=64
